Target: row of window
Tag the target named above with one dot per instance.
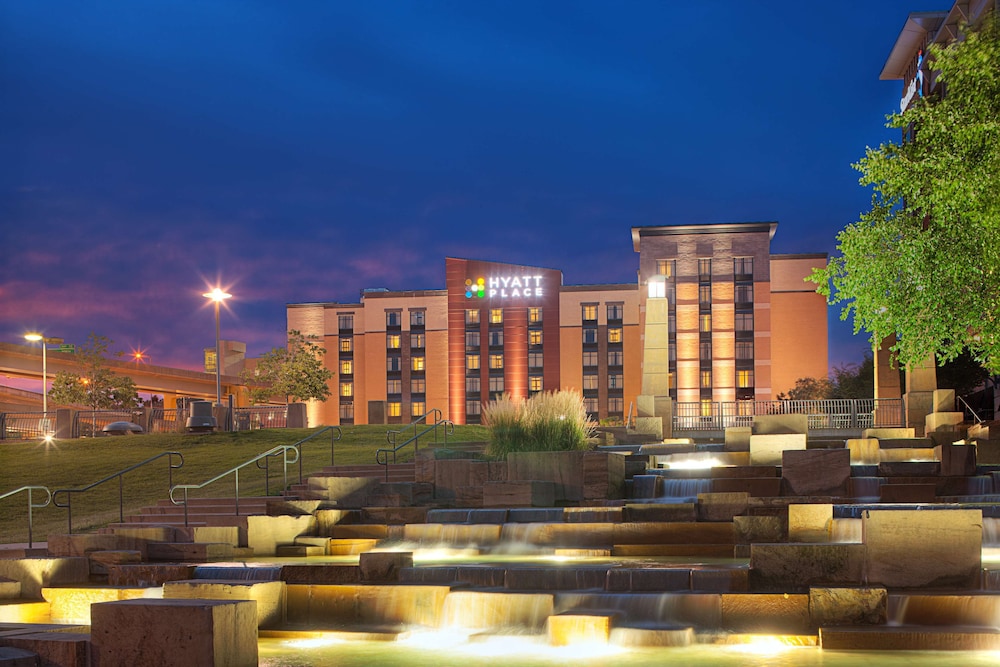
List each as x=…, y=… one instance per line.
x=393, y=341
x=744, y=379
x=615, y=358
x=615, y=312
x=392, y=363
x=590, y=335
x=495, y=315
x=615, y=381
x=494, y=338
x=742, y=268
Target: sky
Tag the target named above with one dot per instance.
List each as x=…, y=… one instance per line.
x=297, y=152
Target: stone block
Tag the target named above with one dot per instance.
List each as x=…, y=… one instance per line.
x=907, y=493
x=889, y=638
x=770, y=613
x=219, y=534
x=909, y=468
x=529, y=493
x=659, y=579
x=957, y=460
x=848, y=606
x=647, y=486
x=53, y=649
x=652, y=637
x=738, y=438
x=881, y=433
x=750, y=529
x=721, y=580
x=810, y=523
x=564, y=470
x=660, y=512
x=722, y=506
x=72, y=604
x=34, y=573
x=757, y=487
x=937, y=422
x=943, y=400
x=914, y=548
x=265, y=533
x=864, y=451
x=326, y=573
x=788, y=567
x=189, y=551
x=269, y=596
x=393, y=516
x=347, y=492
x=780, y=424
x=948, y=609
x=766, y=449
x=603, y=476
x=99, y=560
x=988, y=452
x=816, y=472
x=650, y=426
x=571, y=629
x=383, y=566
x=185, y=633
x=917, y=405
x=16, y=657
x=9, y=589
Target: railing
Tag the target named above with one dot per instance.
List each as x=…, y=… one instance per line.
x=26, y=425
x=120, y=475
x=31, y=506
x=835, y=414
x=258, y=417
x=162, y=420
x=967, y=409
x=265, y=463
x=88, y=423
x=382, y=454
x=280, y=449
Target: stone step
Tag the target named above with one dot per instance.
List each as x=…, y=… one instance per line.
x=190, y=551
x=910, y=638
x=211, y=502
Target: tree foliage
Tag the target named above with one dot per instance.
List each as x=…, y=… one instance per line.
x=924, y=262
x=96, y=386
x=295, y=372
x=846, y=381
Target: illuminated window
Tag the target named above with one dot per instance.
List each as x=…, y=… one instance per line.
x=417, y=363
x=744, y=321
x=589, y=336
x=535, y=359
x=615, y=311
x=616, y=404
x=534, y=315
x=706, y=407
x=418, y=385
x=346, y=411
x=615, y=357
x=392, y=341
x=590, y=312
x=656, y=288
x=590, y=358
x=472, y=362
x=473, y=407
x=665, y=267
x=744, y=379
x=615, y=381
x=615, y=335
x=394, y=363
x=345, y=322
x=590, y=382
x=395, y=408
x=346, y=367
x=744, y=350
x=534, y=338
x=418, y=408
x=393, y=318
x=496, y=315
x=496, y=337
x=471, y=339
x=394, y=386
x=535, y=383
x=496, y=361
x=417, y=340
x=590, y=405
x=705, y=269
x=472, y=316
x=472, y=385
x=496, y=383
x=346, y=344
x=417, y=318
x=705, y=322
x=347, y=389
x=706, y=379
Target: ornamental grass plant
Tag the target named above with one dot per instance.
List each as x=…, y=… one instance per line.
x=547, y=422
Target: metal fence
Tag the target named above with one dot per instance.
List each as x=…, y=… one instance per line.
x=26, y=425
x=89, y=423
x=832, y=414
x=258, y=417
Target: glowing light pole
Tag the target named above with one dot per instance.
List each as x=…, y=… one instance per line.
x=36, y=337
x=218, y=296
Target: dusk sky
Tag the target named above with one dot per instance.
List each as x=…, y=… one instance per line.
x=302, y=151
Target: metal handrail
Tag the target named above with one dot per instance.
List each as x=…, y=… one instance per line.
x=120, y=475
x=235, y=471
x=264, y=463
x=390, y=436
x=968, y=409
x=449, y=429
x=31, y=505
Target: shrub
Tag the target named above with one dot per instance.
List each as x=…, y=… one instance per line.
x=546, y=422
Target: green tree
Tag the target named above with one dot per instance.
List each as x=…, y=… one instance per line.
x=924, y=262
x=808, y=389
x=295, y=372
x=854, y=380
x=96, y=386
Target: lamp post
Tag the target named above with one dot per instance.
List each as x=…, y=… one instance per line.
x=217, y=296
x=36, y=337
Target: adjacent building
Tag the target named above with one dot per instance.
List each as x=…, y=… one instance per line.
x=743, y=326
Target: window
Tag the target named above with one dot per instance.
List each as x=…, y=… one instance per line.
x=496, y=337
x=535, y=383
x=705, y=322
x=744, y=321
x=394, y=386
x=615, y=357
x=615, y=381
x=394, y=363
x=534, y=315
x=395, y=408
x=590, y=358
x=496, y=361
x=589, y=336
x=590, y=312
x=657, y=289
x=706, y=379
x=615, y=335
x=589, y=382
x=346, y=344
x=744, y=379
x=615, y=311
x=496, y=315
x=706, y=407
x=665, y=267
x=345, y=322
x=535, y=359
x=418, y=340
x=418, y=385
x=392, y=341
x=417, y=364
x=473, y=407
x=347, y=389
x=705, y=269
x=590, y=404
x=496, y=383
x=744, y=350
x=346, y=367
x=743, y=267
x=472, y=385
x=472, y=362
x=471, y=339
x=417, y=318
x=616, y=404
x=472, y=316
x=393, y=318
x=744, y=293
x=418, y=408
x=705, y=351
x=346, y=411
x=704, y=295
x=534, y=337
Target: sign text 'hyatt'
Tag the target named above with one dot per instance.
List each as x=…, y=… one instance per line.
x=504, y=287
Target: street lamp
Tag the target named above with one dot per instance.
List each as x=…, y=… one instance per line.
x=218, y=296
x=35, y=337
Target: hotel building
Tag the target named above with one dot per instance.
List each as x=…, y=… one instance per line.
x=743, y=325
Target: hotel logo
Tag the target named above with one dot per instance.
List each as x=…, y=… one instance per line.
x=504, y=287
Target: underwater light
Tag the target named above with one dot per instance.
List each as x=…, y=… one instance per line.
x=694, y=464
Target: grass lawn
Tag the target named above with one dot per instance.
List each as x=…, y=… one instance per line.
x=80, y=462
